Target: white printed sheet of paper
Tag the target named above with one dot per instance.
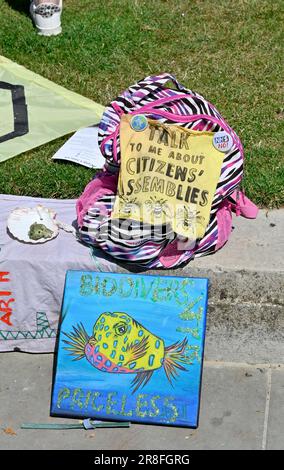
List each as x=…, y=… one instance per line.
x=82, y=148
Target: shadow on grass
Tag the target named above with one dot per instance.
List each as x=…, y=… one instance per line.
x=19, y=5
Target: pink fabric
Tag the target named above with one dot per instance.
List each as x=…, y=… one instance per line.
x=170, y=254
x=244, y=206
x=151, y=108
x=224, y=220
x=104, y=183
x=160, y=101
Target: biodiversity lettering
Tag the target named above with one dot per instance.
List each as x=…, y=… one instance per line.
x=157, y=290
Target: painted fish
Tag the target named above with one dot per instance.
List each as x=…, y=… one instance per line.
x=38, y=231
x=119, y=344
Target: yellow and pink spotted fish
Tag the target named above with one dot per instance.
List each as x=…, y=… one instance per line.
x=121, y=345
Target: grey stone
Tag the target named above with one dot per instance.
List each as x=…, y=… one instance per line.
x=275, y=433
x=245, y=333
x=232, y=409
x=254, y=246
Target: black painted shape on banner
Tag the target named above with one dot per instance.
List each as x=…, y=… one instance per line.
x=21, y=122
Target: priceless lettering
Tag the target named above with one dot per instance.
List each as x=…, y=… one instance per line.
x=118, y=405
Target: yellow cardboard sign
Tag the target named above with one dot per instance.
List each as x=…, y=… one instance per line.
x=168, y=174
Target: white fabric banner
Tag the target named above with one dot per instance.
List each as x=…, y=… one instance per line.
x=32, y=277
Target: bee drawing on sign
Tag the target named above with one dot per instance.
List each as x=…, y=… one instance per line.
x=129, y=205
x=158, y=207
x=189, y=218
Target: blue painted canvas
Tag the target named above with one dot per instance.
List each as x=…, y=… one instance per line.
x=131, y=348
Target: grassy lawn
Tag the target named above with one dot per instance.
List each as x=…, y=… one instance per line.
x=230, y=52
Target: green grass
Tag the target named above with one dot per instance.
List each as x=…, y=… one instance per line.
x=231, y=52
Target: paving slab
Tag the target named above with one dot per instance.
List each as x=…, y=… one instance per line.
x=245, y=332
x=275, y=432
x=232, y=412
x=251, y=245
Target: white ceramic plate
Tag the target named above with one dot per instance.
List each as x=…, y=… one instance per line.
x=33, y=225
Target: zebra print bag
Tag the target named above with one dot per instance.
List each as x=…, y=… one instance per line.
x=159, y=246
